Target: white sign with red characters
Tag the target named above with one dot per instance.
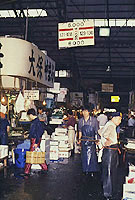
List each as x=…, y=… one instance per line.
x=77, y=33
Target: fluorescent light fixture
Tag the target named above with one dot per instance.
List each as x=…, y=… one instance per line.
x=31, y=13
x=56, y=73
x=62, y=73
x=108, y=69
x=7, y=13
x=105, y=32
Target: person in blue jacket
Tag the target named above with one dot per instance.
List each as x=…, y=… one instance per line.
x=88, y=128
x=4, y=129
x=35, y=134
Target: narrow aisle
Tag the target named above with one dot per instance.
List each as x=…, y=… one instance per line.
x=61, y=182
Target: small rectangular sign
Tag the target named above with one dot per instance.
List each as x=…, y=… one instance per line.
x=31, y=94
x=76, y=33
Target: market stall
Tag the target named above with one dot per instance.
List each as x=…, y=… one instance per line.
x=22, y=88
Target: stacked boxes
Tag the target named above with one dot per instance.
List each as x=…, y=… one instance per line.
x=62, y=149
x=54, y=151
x=130, y=144
x=129, y=186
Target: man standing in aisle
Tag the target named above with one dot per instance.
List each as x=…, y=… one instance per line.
x=110, y=155
x=36, y=132
x=88, y=128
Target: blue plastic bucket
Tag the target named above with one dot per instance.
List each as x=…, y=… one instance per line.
x=20, y=157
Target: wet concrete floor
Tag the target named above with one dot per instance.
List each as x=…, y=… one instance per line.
x=60, y=182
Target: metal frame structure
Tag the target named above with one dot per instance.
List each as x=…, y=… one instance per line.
x=88, y=64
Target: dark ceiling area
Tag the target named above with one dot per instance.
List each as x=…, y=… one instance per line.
x=88, y=64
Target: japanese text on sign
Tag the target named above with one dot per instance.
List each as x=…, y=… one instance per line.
x=77, y=33
x=33, y=63
x=31, y=94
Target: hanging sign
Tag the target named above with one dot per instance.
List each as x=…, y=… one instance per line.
x=107, y=87
x=77, y=33
x=31, y=94
x=24, y=59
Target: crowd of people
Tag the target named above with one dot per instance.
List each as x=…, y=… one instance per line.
x=94, y=133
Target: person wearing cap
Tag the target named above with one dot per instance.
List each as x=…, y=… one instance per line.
x=88, y=127
x=4, y=126
x=110, y=155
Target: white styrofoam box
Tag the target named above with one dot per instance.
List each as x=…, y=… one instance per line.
x=129, y=191
x=64, y=149
x=131, y=168
x=44, y=144
x=131, y=171
x=131, y=174
x=56, y=121
x=62, y=145
x=130, y=146
x=59, y=133
x=54, y=152
x=54, y=156
x=130, y=180
x=53, y=148
x=131, y=143
x=36, y=166
x=54, y=143
x=61, y=130
x=128, y=197
x=59, y=138
x=63, y=154
x=63, y=142
x=3, y=151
